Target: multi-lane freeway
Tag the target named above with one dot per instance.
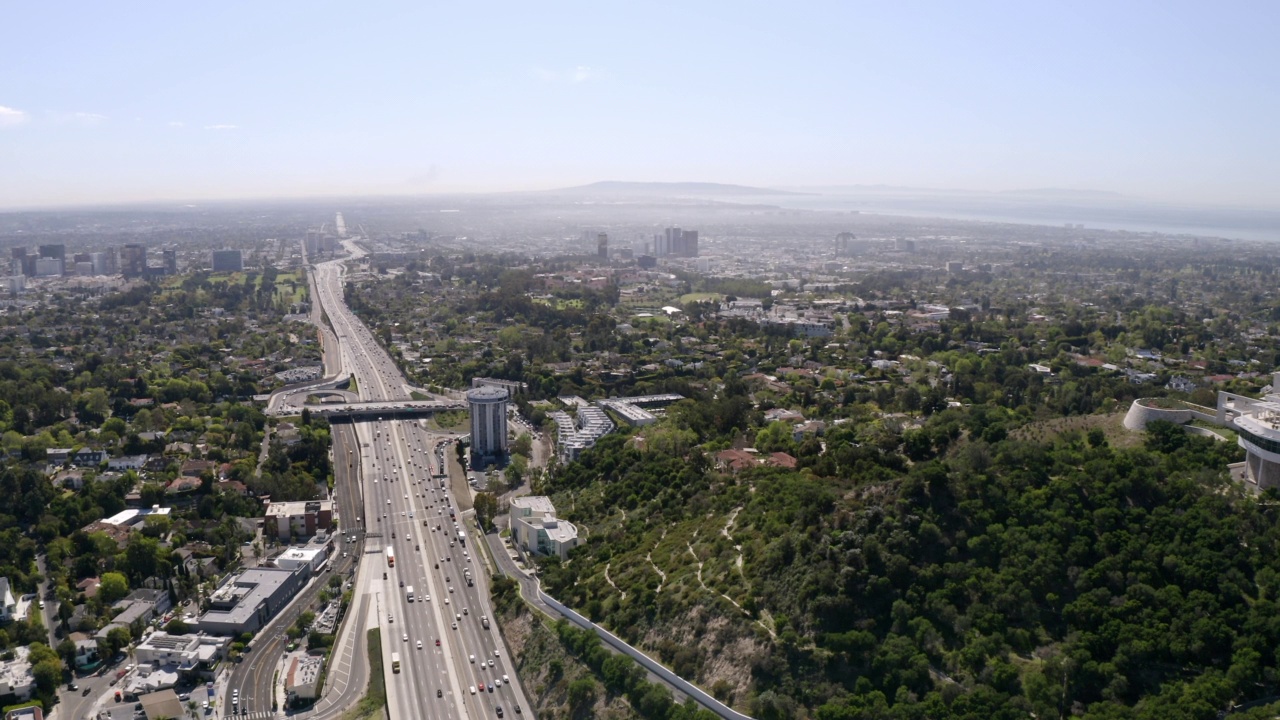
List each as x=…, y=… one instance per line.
x=446, y=653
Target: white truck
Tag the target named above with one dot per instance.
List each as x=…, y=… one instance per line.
x=408, y=591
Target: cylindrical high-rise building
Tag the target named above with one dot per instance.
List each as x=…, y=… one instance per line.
x=488, y=406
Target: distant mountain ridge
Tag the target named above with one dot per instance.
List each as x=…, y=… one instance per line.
x=620, y=187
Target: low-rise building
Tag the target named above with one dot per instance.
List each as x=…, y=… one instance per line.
x=157, y=601
x=127, y=462
x=161, y=704
x=575, y=436
x=184, y=652
x=30, y=712
x=86, y=651
x=299, y=519
x=311, y=557
x=302, y=682
x=135, y=517
x=16, y=677
x=535, y=527
x=249, y=599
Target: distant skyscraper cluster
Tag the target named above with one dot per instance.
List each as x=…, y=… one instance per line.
x=844, y=243
x=674, y=242
x=129, y=261
x=51, y=261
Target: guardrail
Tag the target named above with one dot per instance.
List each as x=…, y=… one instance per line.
x=647, y=662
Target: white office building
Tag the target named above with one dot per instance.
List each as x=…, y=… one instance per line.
x=535, y=527
x=1257, y=423
x=185, y=652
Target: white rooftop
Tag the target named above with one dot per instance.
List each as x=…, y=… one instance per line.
x=534, y=504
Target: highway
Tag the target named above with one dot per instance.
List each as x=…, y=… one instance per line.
x=409, y=509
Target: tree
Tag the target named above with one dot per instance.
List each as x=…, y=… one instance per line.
x=582, y=694
x=486, y=506
x=114, y=586
x=67, y=651
x=523, y=445
x=118, y=638
x=48, y=673
x=516, y=469
x=777, y=436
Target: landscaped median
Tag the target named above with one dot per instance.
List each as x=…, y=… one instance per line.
x=375, y=696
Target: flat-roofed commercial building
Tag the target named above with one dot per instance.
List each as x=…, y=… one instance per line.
x=185, y=652
x=248, y=600
x=302, y=682
x=302, y=518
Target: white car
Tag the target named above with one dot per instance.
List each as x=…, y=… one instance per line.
x=419, y=644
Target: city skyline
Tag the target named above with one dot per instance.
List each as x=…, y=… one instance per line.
x=1163, y=102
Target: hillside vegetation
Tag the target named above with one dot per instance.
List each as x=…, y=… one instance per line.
x=1000, y=579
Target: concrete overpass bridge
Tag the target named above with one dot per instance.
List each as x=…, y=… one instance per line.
x=364, y=411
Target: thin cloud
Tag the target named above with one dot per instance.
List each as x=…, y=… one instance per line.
x=583, y=73
x=177, y=123
x=576, y=76
x=80, y=119
x=221, y=127
x=10, y=117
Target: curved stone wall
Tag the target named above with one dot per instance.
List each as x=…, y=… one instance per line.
x=1142, y=412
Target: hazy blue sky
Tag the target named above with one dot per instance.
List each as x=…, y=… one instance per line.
x=126, y=101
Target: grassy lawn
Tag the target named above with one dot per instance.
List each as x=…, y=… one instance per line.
x=700, y=297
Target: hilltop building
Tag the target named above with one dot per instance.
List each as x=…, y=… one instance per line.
x=535, y=527
x=1257, y=424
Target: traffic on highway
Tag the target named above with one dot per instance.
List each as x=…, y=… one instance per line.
x=429, y=588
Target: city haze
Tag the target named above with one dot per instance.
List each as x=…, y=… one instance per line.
x=1166, y=103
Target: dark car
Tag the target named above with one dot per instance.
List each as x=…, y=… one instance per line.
x=439, y=692
x=499, y=711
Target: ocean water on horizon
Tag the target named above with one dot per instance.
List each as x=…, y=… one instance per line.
x=1132, y=216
